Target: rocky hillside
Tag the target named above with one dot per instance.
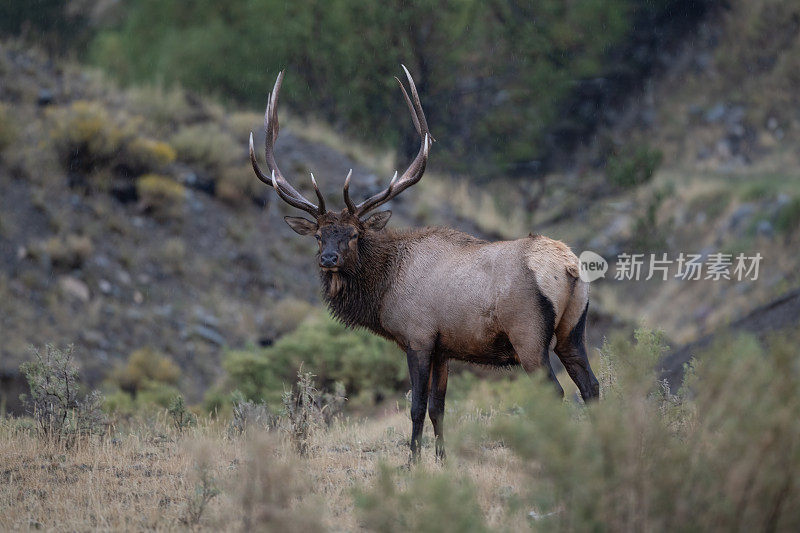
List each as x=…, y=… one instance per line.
x=130, y=219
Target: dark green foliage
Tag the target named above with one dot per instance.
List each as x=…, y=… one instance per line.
x=633, y=167
x=787, y=220
x=360, y=361
x=503, y=83
x=52, y=23
x=61, y=413
x=649, y=234
x=182, y=418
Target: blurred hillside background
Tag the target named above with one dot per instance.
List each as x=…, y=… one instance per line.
x=132, y=226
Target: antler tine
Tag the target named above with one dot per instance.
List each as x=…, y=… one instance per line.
x=284, y=189
x=305, y=205
x=414, y=172
x=319, y=195
x=347, y=201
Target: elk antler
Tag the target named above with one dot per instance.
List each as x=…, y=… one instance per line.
x=414, y=172
x=276, y=180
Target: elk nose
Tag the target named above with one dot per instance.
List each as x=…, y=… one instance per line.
x=329, y=259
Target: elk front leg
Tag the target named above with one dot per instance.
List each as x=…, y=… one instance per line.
x=438, y=387
x=419, y=369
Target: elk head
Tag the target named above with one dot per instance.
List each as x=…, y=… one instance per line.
x=338, y=234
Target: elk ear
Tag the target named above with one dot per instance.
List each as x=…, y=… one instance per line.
x=301, y=226
x=377, y=221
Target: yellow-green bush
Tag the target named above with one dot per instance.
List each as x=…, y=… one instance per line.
x=69, y=251
x=144, y=367
x=287, y=314
x=236, y=185
x=143, y=154
x=160, y=195
x=85, y=135
x=164, y=107
x=207, y=145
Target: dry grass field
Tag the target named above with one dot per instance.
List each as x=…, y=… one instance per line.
x=155, y=477
x=720, y=453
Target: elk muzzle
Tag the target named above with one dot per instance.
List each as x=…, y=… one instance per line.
x=329, y=259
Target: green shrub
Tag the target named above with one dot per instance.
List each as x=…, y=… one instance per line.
x=787, y=221
x=629, y=169
x=61, y=413
x=181, y=417
x=362, y=362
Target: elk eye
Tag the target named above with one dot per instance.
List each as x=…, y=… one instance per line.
x=353, y=236
x=318, y=237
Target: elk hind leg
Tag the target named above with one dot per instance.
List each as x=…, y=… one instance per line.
x=530, y=335
x=571, y=350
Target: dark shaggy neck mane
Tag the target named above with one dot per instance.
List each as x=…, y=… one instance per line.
x=356, y=297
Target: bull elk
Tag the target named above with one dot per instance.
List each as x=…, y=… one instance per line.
x=439, y=293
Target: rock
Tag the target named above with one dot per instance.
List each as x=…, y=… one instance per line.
x=124, y=277
x=716, y=113
x=44, y=98
x=740, y=215
x=105, y=286
x=764, y=227
x=74, y=287
x=205, y=317
x=772, y=123
x=137, y=297
x=209, y=334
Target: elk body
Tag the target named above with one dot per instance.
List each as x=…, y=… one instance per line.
x=441, y=294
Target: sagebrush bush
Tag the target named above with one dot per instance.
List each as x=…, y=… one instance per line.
x=249, y=414
x=267, y=489
x=142, y=155
x=207, y=145
x=236, y=186
x=716, y=455
x=161, y=196
x=145, y=366
x=85, y=135
x=61, y=413
x=306, y=409
x=69, y=251
x=422, y=501
x=164, y=107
